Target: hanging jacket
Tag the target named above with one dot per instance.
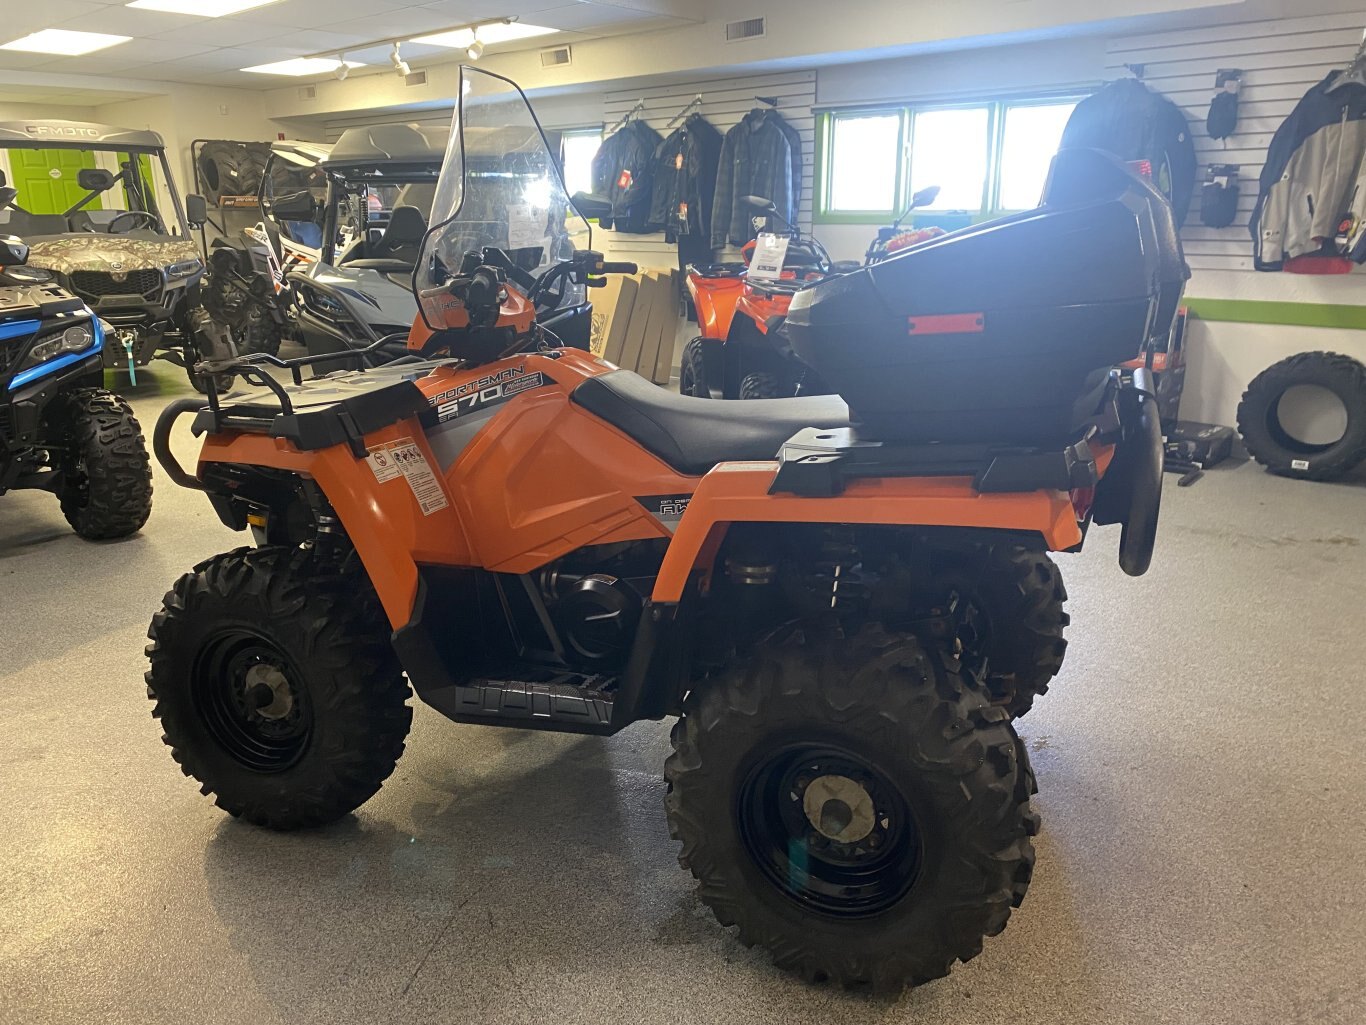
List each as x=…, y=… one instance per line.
x=1134, y=123
x=623, y=174
x=761, y=156
x=1313, y=186
x=685, y=180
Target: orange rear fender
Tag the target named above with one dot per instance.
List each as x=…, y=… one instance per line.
x=738, y=493
x=378, y=504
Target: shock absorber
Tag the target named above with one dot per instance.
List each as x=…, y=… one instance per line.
x=834, y=579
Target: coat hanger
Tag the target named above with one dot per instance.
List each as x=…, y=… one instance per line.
x=771, y=102
x=693, y=104
x=640, y=105
x=1354, y=73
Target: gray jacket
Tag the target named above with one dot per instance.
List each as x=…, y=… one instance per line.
x=1313, y=187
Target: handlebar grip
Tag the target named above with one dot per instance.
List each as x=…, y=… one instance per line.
x=618, y=268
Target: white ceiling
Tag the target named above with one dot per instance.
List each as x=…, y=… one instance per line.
x=211, y=51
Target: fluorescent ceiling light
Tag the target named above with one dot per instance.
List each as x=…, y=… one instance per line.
x=498, y=32
x=65, y=42
x=297, y=67
x=203, y=8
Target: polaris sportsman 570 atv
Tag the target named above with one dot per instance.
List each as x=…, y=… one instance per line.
x=59, y=430
x=100, y=211
x=843, y=599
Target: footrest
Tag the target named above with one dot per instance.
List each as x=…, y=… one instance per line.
x=568, y=703
x=818, y=463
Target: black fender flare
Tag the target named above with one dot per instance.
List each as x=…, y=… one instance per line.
x=1130, y=493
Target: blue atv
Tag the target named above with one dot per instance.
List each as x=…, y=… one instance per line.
x=60, y=431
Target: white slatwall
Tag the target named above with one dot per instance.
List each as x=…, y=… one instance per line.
x=1280, y=60
x=725, y=102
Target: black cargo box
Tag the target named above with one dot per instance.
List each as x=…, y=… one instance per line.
x=1005, y=331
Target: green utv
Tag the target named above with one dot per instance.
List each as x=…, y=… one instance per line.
x=100, y=211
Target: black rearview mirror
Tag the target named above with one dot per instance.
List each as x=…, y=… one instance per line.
x=13, y=251
x=760, y=203
x=7, y=194
x=94, y=179
x=196, y=210
x=925, y=197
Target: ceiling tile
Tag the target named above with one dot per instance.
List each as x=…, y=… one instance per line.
x=221, y=32
x=128, y=21
x=457, y=11
x=312, y=13
x=18, y=18
x=401, y=23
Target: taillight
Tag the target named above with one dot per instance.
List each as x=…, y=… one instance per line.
x=1082, y=501
x=1142, y=168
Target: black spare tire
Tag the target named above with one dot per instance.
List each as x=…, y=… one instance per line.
x=1276, y=446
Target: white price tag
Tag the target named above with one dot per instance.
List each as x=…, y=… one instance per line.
x=770, y=253
x=526, y=226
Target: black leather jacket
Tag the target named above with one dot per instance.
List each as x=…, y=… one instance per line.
x=685, y=180
x=623, y=175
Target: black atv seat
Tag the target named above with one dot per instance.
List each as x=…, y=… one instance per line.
x=693, y=435
x=403, y=237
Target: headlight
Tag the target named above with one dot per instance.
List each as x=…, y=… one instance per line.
x=73, y=339
x=184, y=268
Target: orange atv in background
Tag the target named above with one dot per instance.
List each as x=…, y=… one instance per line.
x=741, y=351
x=845, y=600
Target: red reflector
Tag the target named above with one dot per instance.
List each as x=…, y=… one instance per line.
x=949, y=324
x=1142, y=167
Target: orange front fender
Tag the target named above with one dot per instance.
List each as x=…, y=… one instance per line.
x=392, y=530
x=738, y=493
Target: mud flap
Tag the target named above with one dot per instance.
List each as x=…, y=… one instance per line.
x=1131, y=491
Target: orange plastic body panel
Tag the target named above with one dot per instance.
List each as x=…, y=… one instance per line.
x=536, y=477
x=738, y=493
x=758, y=307
x=715, y=300
x=384, y=521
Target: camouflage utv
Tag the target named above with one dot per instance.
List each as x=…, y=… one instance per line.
x=100, y=211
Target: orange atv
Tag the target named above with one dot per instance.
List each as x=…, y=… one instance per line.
x=844, y=604
x=742, y=351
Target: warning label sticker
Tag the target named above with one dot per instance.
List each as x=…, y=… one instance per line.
x=404, y=458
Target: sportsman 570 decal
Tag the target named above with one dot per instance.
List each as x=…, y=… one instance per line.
x=485, y=392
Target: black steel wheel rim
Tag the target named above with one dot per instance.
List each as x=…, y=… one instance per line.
x=828, y=864
x=248, y=695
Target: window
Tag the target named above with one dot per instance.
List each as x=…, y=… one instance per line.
x=578, y=149
x=865, y=155
x=949, y=148
x=986, y=158
x=1029, y=142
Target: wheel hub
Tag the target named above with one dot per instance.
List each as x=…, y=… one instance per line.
x=268, y=692
x=839, y=808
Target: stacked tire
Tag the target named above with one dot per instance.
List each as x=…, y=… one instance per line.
x=231, y=168
x=1272, y=444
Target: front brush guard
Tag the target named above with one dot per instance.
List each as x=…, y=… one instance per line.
x=1130, y=493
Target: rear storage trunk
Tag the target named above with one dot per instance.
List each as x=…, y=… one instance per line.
x=1004, y=332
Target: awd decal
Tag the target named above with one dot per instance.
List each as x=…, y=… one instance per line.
x=486, y=392
x=668, y=509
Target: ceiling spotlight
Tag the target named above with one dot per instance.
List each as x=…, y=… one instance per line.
x=476, y=49
x=400, y=65
x=342, y=69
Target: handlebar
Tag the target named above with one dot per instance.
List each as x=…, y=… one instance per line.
x=618, y=268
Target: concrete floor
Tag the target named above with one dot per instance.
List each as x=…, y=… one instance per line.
x=1203, y=858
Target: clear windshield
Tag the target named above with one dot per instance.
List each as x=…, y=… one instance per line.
x=104, y=191
x=500, y=187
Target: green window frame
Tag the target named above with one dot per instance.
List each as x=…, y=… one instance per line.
x=998, y=110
